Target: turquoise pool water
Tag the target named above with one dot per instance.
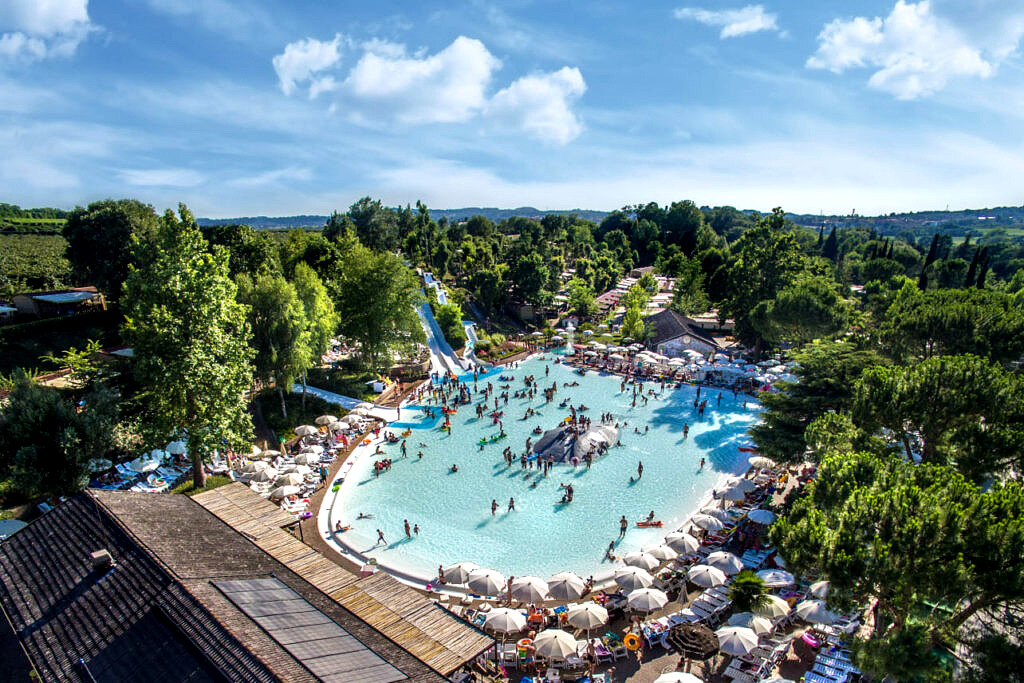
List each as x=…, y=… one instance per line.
x=541, y=537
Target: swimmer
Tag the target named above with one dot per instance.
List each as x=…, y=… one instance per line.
x=420, y=455
x=650, y=516
x=363, y=515
x=454, y=468
x=702, y=463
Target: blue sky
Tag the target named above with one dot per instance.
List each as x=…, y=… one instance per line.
x=276, y=107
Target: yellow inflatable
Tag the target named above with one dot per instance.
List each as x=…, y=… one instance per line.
x=632, y=642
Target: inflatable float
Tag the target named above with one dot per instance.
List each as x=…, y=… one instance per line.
x=644, y=523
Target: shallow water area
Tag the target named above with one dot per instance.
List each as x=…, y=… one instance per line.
x=541, y=536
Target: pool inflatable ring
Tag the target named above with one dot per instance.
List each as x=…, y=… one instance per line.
x=632, y=642
x=366, y=442
x=645, y=523
x=407, y=432
x=748, y=449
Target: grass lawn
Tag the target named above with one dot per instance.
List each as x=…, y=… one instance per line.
x=346, y=378
x=270, y=406
x=212, y=482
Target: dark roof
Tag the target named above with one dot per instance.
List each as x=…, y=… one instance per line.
x=69, y=290
x=157, y=615
x=668, y=325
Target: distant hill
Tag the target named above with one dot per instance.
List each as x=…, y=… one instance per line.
x=316, y=222
x=945, y=222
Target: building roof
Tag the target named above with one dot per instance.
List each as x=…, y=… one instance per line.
x=53, y=292
x=65, y=297
x=162, y=613
x=669, y=325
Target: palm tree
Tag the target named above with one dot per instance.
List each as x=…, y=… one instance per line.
x=747, y=592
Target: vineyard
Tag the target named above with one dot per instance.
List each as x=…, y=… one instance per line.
x=31, y=262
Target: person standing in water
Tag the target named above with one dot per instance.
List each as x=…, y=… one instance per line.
x=408, y=533
x=640, y=470
x=623, y=525
x=511, y=505
x=380, y=537
x=494, y=506
x=702, y=464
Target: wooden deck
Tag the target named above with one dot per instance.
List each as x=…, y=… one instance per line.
x=428, y=632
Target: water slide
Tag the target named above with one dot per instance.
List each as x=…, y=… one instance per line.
x=442, y=358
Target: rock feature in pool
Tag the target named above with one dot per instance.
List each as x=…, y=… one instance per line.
x=562, y=444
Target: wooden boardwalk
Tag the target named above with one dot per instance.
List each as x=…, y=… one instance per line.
x=428, y=632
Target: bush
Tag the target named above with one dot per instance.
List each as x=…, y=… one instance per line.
x=449, y=319
x=270, y=406
x=346, y=378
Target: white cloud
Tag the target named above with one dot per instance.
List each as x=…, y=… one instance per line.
x=444, y=87
x=540, y=104
x=37, y=29
x=303, y=59
x=919, y=47
x=161, y=177
x=734, y=22
x=244, y=20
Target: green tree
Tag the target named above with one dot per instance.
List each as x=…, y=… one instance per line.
x=633, y=324
x=582, y=301
x=376, y=225
x=321, y=319
x=689, y=297
x=926, y=548
x=190, y=339
x=99, y=241
x=280, y=331
x=249, y=251
x=805, y=310
x=46, y=440
x=489, y=286
x=528, y=275
x=449, y=319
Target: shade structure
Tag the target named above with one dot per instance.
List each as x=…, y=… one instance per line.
x=693, y=641
x=284, y=492
x=682, y=543
x=632, y=578
x=505, y=620
x=565, y=586
x=339, y=426
x=352, y=419
x=99, y=465
x=731, y=493
x=177, y=448
x=717, y=513
x=741, y=483
x=254, y=467
x=588, y=615
x=361, y=412
x=662, y=552
x=707, y=523
x=554, y=643
x=641, y=559
x=486, y=582
x=306, y=430
x=325, y=419
x=754, y=622
x=761, y=461
x=301, y=470
x=529, y=589
x=736, y=640
x=646, y=599
x=705, y=575
x=820, y=589
x=364, y=406
x=315, y=449
x=143, y=464
x=677, y=677
x=255, y=449
x=264, y=475
x=761, y=516
x=773, y=608
x=289, y=479
x=459, y=572
x=157, y=454
x=726, y=561
x=270, y=453
x=815, y=612
x=776, y=578
x=307, y=459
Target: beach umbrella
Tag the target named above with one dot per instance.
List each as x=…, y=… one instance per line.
x=741, y=483
x=677, y=677
x=505, y=620
x=351, y=419
x=616, y=356
x=815, y=612
x=288, y=479
x=339, y=426
x=254, y=467
x=820, y=589
x=537, y=333
x=733, y=494
x=301, y=470
x=693, y=641
x=143, y=464
x=726, y=561
x=682, y=542
x=661, y=552
x=325, y=419
x=588, y=333
x=486, y=582
x=707, y=522
x=255, y=450
x=177, y=448
x=736, y=640
x=773, y=608
x=590, y=354
x=284, y=492
x=459, y=572
x=755, y=623
x=641, y=559
x=761, y=516
x=632, y=578
x=565, y=586
x=306, y=430
x=157, y=454
x=315, y=448
x=705, y=575
x=777, y=679
x=363, y=405
x=270, y=454
x=529, y=589
x=264, y=475
x=99, y=465
x=554, y=643
x=760, y=461
x=588, y=615
x=646, y=599
x=361, y=412
x=717, y=513
x=307, y=459
x=776, y=578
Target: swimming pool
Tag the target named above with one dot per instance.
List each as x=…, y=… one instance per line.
x=540, y=537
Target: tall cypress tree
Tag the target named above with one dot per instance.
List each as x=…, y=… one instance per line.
x=821, y=235
x=973, y=270
x=984, y=260
x=831, y=248
x=922, y=282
